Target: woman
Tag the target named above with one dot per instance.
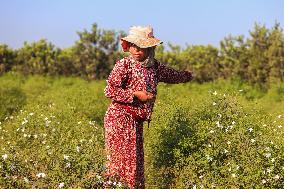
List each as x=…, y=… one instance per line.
x=132, y=87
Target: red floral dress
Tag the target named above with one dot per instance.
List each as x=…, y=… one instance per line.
x=124, y=118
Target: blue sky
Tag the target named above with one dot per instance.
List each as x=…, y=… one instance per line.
x=198, y=22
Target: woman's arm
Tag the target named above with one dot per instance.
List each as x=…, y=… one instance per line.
x=116, y=88
x=170, y=75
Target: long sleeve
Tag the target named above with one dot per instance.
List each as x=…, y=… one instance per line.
x=169, y=75
x=116, y=88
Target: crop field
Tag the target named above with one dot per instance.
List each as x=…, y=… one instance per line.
x=223, y=134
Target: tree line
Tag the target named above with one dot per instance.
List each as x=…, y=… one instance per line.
x=257, y=59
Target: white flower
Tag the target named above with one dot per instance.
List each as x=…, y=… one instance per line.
x=250, y=129
x=41, y=175
x=268, y=170
x=252, y=140
x=233, y=175
x=273, y=160
x=5, y=156
x=209, y=158
x=214, y=103
x=26, y=179
x=119, y=184
x=78, y=148
x=279, y=116
x=209, y=145
x=66, y=157
x=279, y=126
x=61, y=185
x=201, y=176
x=218, y=124
x=226, y=151
x=211, y=131
x=277, y=177
x=68, y=165
x=267, y=155
x=79, y=122
x=31, y=113
x=229, y=142
x=263, y=181
x=214, y=93
x=233, y=122
x=194, y=187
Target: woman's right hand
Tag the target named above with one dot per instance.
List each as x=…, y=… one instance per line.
x=143, y=95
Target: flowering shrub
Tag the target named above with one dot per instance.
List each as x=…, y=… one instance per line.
x=216, y=142
x=53, y=137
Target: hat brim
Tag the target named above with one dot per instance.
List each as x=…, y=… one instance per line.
x=142, y=42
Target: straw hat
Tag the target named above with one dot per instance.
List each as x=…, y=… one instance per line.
x=142, y=37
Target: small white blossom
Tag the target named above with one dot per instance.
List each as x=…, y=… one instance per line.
x=66, y=157
x=78, y=148
x=61, y=185
x=218, y=124
x=79, y=122
x=5, y=156
x=31, y=113
x=214, y=93
x=41, y=175
x=263, y=181
x=233, y=175
x=273, y=160
x=229, y=142
x=68, y=165
x=214, y=103
x=252, y=140
x=279, y=126
x=209, y=158
x=277, y=177
x=26, y=179
x=279, y=116
x=267, y=155
x=250, y=129
x=211, y=131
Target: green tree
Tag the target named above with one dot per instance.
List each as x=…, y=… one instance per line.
x=275, y=54
x=95, y=52
x=37, y=58
x=7, y=57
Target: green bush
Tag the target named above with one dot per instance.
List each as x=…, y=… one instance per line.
x=216, y=143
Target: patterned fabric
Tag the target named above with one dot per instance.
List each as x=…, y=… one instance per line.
x=124, y=118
